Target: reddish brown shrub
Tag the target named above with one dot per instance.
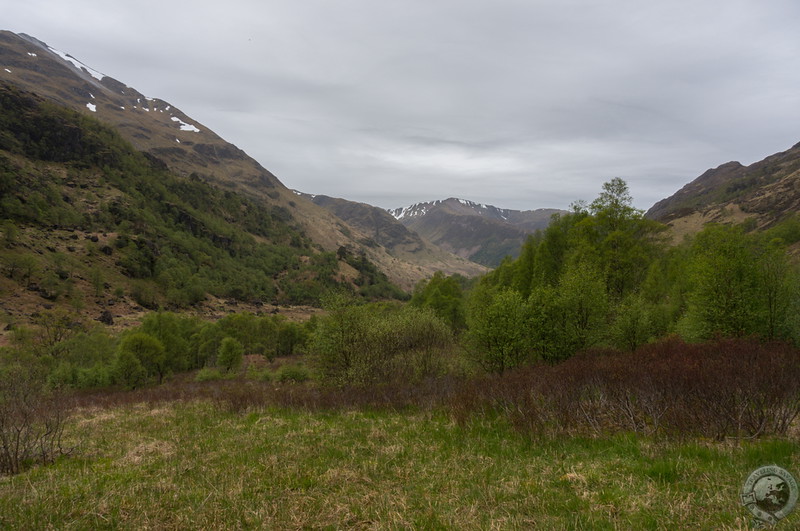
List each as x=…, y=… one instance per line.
x=739, y=388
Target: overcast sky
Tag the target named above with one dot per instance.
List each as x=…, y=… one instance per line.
x=517, y=103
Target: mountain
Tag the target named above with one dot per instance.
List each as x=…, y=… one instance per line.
x=482, y=233
x=762, y=194
x=92, y=226
x=190, y=149
x=382, y=229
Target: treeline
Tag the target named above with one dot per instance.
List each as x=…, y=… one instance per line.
x=68, y=353
x=354, y=344
x=605, y=276
x=175, y=240
x=600, y=277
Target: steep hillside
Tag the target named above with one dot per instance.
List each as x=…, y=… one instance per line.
x=92, y=224
x=764, y=193
x=186, y=146
x=482, y=233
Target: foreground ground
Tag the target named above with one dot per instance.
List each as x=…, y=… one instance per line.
x=196, y=465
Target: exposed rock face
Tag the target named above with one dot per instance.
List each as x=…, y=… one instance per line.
x=106, y=318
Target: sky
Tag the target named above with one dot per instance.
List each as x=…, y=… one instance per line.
x=520, y=104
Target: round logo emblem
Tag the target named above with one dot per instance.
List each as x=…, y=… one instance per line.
x=770, y=493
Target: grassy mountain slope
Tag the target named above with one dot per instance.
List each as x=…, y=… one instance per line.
x=188, y=147
x=91, y=222
x=763, y=193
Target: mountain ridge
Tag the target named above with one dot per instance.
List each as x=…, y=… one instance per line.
x=764, y=192
x=482, y=233
x=190, y=148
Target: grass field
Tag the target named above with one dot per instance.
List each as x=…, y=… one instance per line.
x=195, y=465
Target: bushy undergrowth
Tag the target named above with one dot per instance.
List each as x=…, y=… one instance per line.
x=726, y=388
x=78, y=355
x=362, y=345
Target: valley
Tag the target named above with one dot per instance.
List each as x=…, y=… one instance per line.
x=186, y=342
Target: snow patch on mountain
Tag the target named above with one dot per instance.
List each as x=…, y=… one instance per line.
x=77, y=64
x=92, y=107
x=479, y=209
x=185, y=126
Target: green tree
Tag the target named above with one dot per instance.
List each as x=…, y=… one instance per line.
x=584, y=304
x=609, y=235
x=444, y=296
x=230, y=354
x=128, y=370
x=569, y=317
x=340, y=343
x=148, y=351
x=723, y=299
x=289, y=337
x=626, y=242
x=247, y=329
x=778, y=283
x=97, y=281
x=499, y=329
x=633, y=323
x=10, y=233
x=175, y=333
x=205, y=344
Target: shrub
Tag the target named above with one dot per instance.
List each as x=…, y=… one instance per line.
x=728, y=388
x=261, y=375
x=360, y=344
x=97, y=376
x=293, y=374
x=128, y=370
x=32, y=420
x=208, y=374
x=498, y=333
x=144, y=294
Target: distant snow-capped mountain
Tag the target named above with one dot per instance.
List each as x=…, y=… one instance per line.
x=481, y=233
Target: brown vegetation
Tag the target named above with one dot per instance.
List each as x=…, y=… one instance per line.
x=728, y=388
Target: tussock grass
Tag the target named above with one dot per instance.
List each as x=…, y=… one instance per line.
x=196, y=464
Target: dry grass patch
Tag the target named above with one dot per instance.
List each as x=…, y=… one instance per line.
x=196, y=465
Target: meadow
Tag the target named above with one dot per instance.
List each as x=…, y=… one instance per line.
x=198, y=456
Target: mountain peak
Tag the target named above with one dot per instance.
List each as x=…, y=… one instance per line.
x=465, y=206
x=478, y=232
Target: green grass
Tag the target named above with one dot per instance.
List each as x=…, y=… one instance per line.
x=196, y=466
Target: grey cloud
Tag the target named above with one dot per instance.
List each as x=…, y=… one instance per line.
x=518, y=103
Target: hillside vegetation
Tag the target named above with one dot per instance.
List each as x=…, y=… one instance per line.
x=604, y=276
x=598, y=282
x=87, y=216
x=191, y=149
